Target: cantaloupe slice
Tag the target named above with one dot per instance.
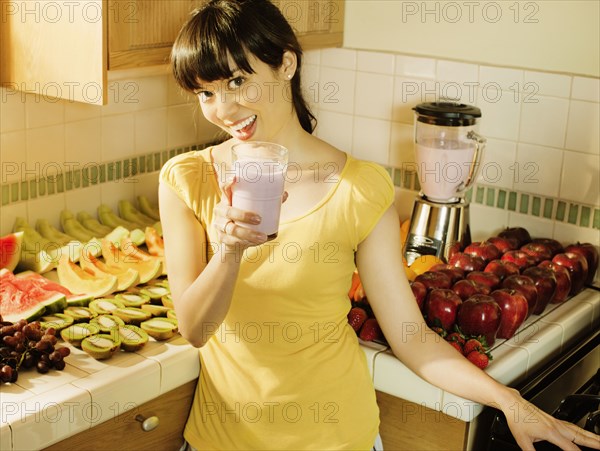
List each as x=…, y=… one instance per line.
x=126, y=277
x=77, y=280
x=148, y=269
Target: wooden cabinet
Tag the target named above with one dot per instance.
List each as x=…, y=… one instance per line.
x=406, y=425
x=125, y=432
x=63, y=49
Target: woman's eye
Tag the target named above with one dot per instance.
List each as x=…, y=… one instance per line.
x=204, y=95
x=235, y=83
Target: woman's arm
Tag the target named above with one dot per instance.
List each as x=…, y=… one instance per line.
x=201, y=289
x=379, y=262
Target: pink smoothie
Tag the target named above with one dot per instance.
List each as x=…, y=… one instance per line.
x=443, y=171
x=259, y=188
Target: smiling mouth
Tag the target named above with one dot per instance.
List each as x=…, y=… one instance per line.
x=245, y=123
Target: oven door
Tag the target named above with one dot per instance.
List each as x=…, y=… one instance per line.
x=568, y=390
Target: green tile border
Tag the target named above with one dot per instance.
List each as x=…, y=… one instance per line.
x=553, y=209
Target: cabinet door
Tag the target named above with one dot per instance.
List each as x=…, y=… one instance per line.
x=125, y=432
x=317, y=23
x=55, y=49
x=142, y=32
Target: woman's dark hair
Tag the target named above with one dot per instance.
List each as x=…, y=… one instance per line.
x=237, y=27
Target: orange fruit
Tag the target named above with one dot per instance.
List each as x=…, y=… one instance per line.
x=404, y=228
x=410, y=274
x=424, y=263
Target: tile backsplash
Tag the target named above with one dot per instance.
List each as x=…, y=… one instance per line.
x=541, y=166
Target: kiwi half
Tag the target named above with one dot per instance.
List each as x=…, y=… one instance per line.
x=167, y=301
x=132, y=315
x=58, y=321
x=105, y=306
x=80, y=314
x=132, y=337
x=107, y=323
x=101, y=346
x=132, y=299
x=77, y=332
x=160, y=328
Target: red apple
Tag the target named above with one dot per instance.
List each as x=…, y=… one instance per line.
x=467, y=262
x=577, y=266
x=590, y=252
x=442, y=307
x=504, y=244
x=454, y=248
x=467, y=288
x=454, y=272
x=502, y=268
x=483, y=249
x=420, y=292
x=479, y=315
x=526, y=286
x=434, y=279
x=520, y=234
x=514, y=308
x=555, y=246
x=489, y=279
x=563, y=281
x=545, y=284
x=520, y=258
x=539, y=251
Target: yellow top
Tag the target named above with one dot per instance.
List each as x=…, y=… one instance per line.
x=284, y=371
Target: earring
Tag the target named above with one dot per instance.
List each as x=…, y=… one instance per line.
x=289, y=76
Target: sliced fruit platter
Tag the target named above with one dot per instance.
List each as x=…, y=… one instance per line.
x=486, y=290
x=98, y=284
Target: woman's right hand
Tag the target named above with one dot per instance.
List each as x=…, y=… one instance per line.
x=228, y=221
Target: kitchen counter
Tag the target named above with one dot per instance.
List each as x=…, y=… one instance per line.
x=40, y=410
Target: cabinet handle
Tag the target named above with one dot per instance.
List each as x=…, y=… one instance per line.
x=148, y=424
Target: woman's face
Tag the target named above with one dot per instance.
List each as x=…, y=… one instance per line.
x=254, y=106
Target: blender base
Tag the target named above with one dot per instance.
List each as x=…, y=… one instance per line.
x=437, y=229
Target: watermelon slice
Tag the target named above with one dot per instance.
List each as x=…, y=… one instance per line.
x=51, y=285
x=20, y=299
x=10, y=250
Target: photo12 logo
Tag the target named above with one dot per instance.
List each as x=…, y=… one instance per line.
x=29, y=11
x=470, y=12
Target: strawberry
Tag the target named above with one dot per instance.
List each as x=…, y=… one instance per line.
x=456, y=337
x=456, y=345
x=370, y=330
x=471, y=345
x=479, y=359
x=353, y=285
x=356, y=318
x=439, y=330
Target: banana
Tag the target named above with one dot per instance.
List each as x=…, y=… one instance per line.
x=128, y=212
x=108, y=217
x=92, y=224
x=147, y=208
x=73, y=227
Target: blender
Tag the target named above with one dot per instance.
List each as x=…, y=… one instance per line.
x=447, y=155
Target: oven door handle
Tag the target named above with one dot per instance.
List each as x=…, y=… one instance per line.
x=571, y=404
x=591, y=424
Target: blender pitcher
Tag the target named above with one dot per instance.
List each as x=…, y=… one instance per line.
x=447, y=149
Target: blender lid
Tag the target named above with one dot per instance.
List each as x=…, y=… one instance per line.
x=447, y=113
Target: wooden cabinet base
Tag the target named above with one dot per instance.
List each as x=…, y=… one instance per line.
x=125, y=432
x=409, y=426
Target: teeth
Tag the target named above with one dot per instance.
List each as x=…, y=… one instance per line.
x=244, y=123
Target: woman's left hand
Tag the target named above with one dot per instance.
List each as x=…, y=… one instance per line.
x=529, y=424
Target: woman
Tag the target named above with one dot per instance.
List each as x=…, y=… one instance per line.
x=280, y=366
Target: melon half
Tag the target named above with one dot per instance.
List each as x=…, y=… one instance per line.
x=79, y=281
x=10, y=250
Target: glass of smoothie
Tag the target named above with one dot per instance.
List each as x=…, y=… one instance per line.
x=259, y=169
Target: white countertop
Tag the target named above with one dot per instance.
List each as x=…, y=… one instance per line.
x=40, y=410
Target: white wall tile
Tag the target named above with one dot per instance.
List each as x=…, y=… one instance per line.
x=46, y=149
x=380, y=63
x=83, y=141
x=150, y=130
x=181, y=127
x=537, y=227
x=456, y=72
x=83, y=199
x=408, y=93
x=78, y=111
x=580, y=180
x=13, y=156
x=544, y=122
x=123, y=97
x=583, y=127
x=372, y=98
x=310, y=84
x=537, y=169
x=402, y=149
x=585, y=88
x=339, y=58
x=336, y=90
x=312, y=57
x=152, y=92
x=547, y=84
x=112, y=192
x=336, y=129
x=146, y=185
x=497, y=164
x=500, y=114
x=371, y=140
x=415, y=67
x=118, y=132
x=46, y=207
x=12, y=110
x=486, y=221
x=500, y=78
x=43, y=111
x=176, y=95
